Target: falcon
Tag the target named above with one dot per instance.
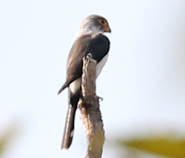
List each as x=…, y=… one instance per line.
x=90, y=39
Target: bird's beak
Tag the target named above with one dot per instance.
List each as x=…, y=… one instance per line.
x=107, y=29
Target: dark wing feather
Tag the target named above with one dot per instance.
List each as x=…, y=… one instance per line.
x=96, y=44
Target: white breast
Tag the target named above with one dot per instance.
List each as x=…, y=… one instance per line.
x=75, y=85
x=100, y=65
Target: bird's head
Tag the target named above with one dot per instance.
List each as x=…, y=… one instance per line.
x=94, y=24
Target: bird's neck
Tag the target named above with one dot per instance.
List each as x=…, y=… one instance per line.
x=88, y=30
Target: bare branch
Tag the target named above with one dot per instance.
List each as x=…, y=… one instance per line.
x=90, y=111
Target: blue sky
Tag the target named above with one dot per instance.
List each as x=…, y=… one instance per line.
x=143, y=82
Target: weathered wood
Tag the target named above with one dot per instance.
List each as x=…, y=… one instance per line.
x=90, y=110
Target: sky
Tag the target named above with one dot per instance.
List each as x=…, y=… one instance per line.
x=142, y=84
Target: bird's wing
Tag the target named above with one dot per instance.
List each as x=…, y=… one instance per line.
x=96, y=44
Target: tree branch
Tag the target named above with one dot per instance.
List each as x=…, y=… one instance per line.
x=90, y=111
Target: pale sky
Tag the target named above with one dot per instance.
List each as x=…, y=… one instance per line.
x=143, y=82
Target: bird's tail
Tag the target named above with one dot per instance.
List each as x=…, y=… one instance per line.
x=69, y=127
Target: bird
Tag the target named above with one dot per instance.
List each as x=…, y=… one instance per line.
x=90, y=39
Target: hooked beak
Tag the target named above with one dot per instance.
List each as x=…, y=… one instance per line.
x=107, y=29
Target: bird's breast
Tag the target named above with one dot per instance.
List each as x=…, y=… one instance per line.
x=75, y=85
x=100, y=65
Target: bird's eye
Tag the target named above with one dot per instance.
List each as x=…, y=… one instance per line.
x=102, y=22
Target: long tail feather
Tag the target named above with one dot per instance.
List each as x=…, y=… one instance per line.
x=69, y=128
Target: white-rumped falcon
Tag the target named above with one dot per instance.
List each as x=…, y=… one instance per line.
x=90, y=39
